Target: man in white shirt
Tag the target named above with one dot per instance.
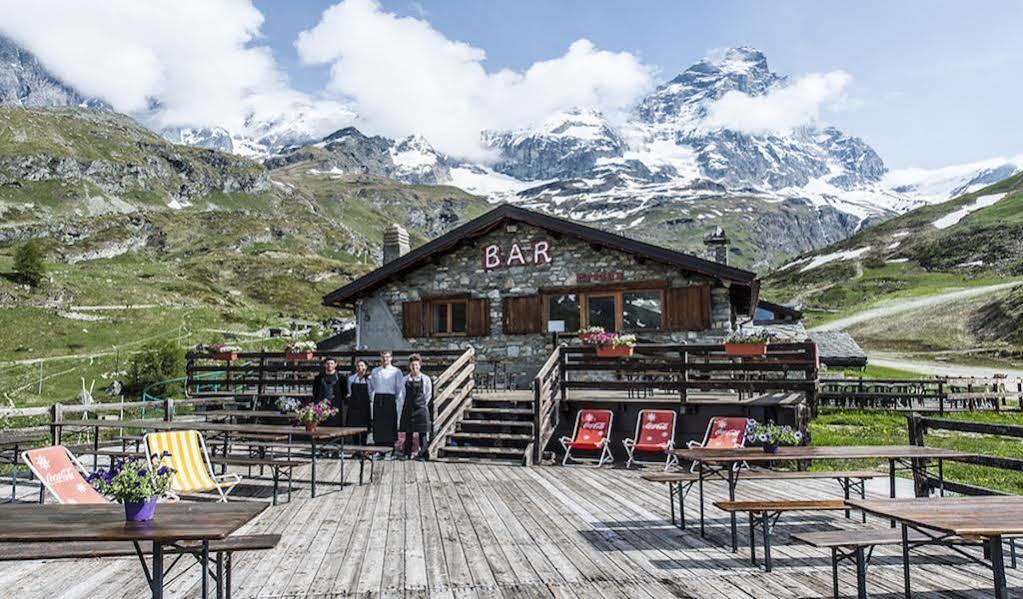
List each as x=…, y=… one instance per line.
x=387, y=394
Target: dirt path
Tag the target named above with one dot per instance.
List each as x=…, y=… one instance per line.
x=892, y=307
x=890, y=360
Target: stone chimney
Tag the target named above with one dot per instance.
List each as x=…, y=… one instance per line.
x=717, y=245
x=395, y=242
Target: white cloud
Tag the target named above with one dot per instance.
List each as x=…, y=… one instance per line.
x=200, y=59
x=404, y=76
x=783, y=108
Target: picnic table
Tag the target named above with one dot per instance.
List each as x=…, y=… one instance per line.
x=944, y=520
x=173, y=523
x=234, y=415
x=10, y=443
x=326, y=434
x=724, y=463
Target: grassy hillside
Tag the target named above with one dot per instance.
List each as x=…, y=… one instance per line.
x=242, y=248
x=981, y=243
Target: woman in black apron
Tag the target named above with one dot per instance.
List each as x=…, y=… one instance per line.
x=415, y=416
x=359, y=410
x=330, y=386
x=387, y=393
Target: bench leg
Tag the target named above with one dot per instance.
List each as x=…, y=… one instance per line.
x=998, y=567
x=671, y=502
x=156, y=584
x=227, y=575
x=767, y=541
x=905, y=560
x=845, y=489
x=834, y=571
x=682, y=505
x=702, y=533
x=277, y=478
x=205, y=584
x=220, y=575
x=362, y=467
x=732, y=515
x=752, y=539
x=861, y=574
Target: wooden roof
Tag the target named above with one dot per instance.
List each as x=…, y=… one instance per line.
x=508, y=213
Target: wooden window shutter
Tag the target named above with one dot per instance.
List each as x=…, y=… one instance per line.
x=522, y=315
x=688, y=308
x=412, y=322
x=478, y=315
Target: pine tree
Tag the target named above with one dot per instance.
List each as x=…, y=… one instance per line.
x=28, y=263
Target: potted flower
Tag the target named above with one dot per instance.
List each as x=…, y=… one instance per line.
x=135, y=485
x=608, y=345
x=300, y=350
x=287, y=404
x=748, y=344
x=770, y=435
x=223, y=351
x=312, y=414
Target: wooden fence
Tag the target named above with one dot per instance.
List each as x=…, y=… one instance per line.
x=934, y=394
x=452, y=394
x=924, y=480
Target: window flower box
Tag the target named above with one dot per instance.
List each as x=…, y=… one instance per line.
x=221, y=351
x=747, y=344
x=298, y=351
x=620, y=351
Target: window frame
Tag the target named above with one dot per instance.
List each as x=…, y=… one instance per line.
x=617, y=292
x=449, y=302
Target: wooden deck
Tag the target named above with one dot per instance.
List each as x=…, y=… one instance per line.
x=471, y=530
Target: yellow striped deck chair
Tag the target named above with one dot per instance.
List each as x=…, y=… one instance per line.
x=191, y=462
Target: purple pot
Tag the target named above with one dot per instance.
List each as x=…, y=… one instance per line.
x=773, y=448
x=139, y=511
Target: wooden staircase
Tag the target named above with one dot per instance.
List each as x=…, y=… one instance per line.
x=496, y=426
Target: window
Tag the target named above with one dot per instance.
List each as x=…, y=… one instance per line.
x=565, y=308
x=448, y=317
x=641, y=310
x=600, y=312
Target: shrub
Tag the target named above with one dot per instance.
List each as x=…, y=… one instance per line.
x=157, y=361
x=28, y=263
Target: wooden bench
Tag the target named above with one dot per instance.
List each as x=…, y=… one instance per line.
x=680, y=483
x=223, y=549
x=856, y=546
x=365, y=453
x=767, y=512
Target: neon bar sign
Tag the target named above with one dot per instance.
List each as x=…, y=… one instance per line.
x=524, y=254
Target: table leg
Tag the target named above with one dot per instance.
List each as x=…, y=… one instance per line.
x=157, y=582
x=891, y=485
x=998, y=566
x=220, y=575
x=205, y=584
x=277, y=477
x=941, y=477
x=834, y=572
x=95, y=449
x=671, y=501
x=905, y=560
x=682, y=505
x=732, y=517
x=312, y=466
x=845, y=489
x=14, y=475
x=227, y=576
x=752, y=539
x=700, y=467
x=341, y=455
x=767, y=541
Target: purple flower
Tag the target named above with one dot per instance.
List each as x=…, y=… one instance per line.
x=161, y=471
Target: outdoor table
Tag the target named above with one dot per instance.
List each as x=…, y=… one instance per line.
x=723, y=463
x=172, y=523
x=234, y=415
x=323, y=433
x=11, y=442
x=945, y=520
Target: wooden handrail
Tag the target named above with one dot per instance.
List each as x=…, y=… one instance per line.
x=452, y=395
x=546, y=397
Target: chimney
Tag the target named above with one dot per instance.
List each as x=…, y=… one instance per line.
x=717, y=245
x=395, y=242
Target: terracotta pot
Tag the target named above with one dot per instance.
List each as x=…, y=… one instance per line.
x=310, y=426
x=298, y=356
x=622, y=351
x=230, y=356
x=746, y=350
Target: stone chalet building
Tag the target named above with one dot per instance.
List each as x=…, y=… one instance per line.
x=507, y=281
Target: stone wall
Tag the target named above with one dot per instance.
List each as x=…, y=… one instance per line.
x=463, y=271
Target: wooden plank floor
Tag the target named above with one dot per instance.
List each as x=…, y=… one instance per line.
x=473, y=530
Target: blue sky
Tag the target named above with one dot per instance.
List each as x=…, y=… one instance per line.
x=933, y=83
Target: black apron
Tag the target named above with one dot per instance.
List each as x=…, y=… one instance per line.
x=385, y=419
x=358, y=405
x=415, y=416
x=330, y=390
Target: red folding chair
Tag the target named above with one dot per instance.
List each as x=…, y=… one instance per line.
x=61, y=474
x=722, y=433
x=593, y=432
x=655, y=432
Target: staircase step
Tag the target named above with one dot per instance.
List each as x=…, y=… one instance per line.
x=508, y=423
x=507, y=411
x=501, y=399
x=508, y=452
x=491, y=436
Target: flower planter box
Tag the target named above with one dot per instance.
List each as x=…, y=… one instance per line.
x=746, y=350
x=230, y=356
x=622, y=351
x=298, y=356
x=310, y=426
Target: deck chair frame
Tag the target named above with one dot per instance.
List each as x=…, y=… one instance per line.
x=604, y=446
x=706, y=438
x=224, y=483
x=630, y=444
x=42, y=480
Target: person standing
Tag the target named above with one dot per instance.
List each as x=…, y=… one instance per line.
x=330, y=385
x=387, y=395
x=415, y=416
x=360, y=411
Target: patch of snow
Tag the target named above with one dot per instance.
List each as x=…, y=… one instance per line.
x=486, y=182
x=897, y=260
x=835, y=256
x=954, y=217
x=178, y=205
x=941, y=184
x=972, y=263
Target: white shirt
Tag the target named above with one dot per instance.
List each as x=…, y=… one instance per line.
x=354, y=379
x=388, y=380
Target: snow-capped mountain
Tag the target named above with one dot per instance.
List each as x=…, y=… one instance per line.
x=940, y=184
x=24, y=81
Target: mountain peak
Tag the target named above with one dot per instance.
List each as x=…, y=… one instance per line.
x=741, y=59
